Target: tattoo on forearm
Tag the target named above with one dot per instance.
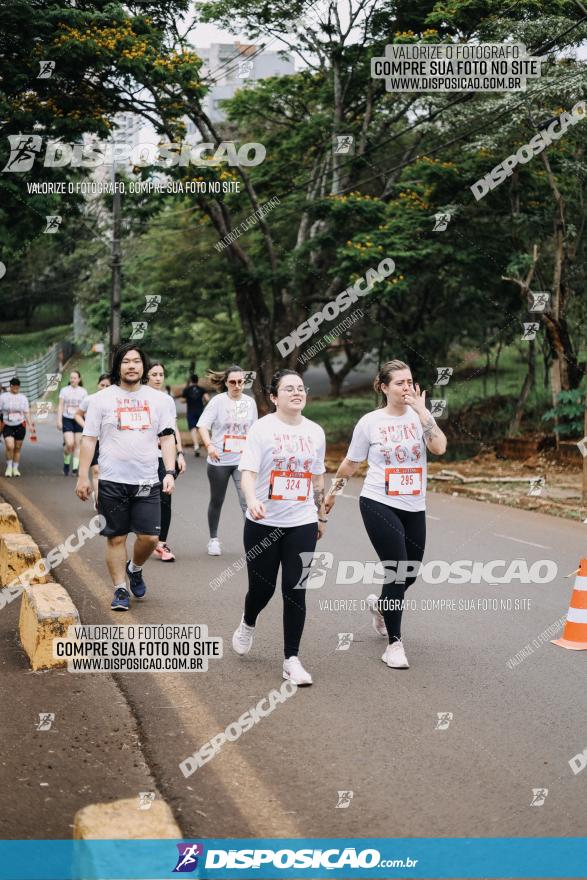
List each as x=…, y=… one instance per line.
x=337, y=485
x=319, y=497
x=430, y=429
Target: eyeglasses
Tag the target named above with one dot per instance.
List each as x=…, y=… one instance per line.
x=301, y=389
x=236, y=382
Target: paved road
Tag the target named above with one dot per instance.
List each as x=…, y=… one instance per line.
x=361, y=727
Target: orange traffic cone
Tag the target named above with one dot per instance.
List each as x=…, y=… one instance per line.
x=575, y=631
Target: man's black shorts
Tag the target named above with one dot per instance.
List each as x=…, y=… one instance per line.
x=16, y=431
x=129, y=508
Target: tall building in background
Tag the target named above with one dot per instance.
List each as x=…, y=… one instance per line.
x=231, y=66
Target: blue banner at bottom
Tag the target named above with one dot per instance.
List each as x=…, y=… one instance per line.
x=227, y=859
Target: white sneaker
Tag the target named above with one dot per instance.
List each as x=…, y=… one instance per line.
x=395, y=656
x=8, y=471
x=15, y=471
x=377, y=617
x=214, y=547
x=242, y=639
x=294, y=671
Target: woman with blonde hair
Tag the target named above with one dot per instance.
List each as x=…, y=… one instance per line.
x=393, y=439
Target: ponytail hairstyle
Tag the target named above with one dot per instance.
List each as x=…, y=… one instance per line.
x=155, y=364
x=277, y=378
x=80, y=383
x=383, y=377
x=218, y=377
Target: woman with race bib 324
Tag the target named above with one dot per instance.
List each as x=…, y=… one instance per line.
x=223, y=427
x=282, y=467
x=394, y=440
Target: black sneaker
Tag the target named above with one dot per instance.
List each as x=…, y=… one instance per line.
x=65, y=469
x=137, y=585
x=121, y=599
x=197, y=453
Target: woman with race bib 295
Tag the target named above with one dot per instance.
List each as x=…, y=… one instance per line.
x=394, y=440
x=282, y=467
x=223, y=427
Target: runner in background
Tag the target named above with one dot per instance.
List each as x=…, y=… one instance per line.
x=103, y=382
x=393, y=439
x=15, y=416
x=156, y=379
x=195, y=398
x=128, y=419
x=70, y=398
x=282, y=466
x=228, y=417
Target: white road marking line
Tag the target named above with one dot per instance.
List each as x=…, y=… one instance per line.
x=429, y=516
x=519, y=541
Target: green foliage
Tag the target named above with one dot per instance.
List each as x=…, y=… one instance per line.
x=570, y=412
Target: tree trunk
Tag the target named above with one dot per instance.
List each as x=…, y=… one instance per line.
x=514, y=426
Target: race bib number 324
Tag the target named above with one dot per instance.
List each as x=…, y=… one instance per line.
x=290, y=485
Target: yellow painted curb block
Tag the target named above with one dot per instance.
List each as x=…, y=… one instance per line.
x=45, y=613
x=8, y=519
x=18, y=553
x=122, y=820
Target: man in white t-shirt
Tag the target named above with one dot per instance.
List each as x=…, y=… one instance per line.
x=128, y=419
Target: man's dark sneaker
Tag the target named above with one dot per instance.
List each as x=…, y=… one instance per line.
x=137, y=585
x=66, y=470
x=121, y=599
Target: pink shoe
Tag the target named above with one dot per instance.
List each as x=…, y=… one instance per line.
x=163, y=552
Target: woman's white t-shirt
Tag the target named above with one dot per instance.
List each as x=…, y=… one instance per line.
x=285, y=457
x=229, y=422
x=72, y=397
x=14, y=408
x=396, y=453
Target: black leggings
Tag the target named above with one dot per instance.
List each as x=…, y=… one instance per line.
x=396, y=535
x=165, y=506
x=268, y=547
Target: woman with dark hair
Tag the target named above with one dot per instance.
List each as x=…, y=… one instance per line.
x=224, y=426
x=394, y=440
x=282, y=467
x=195, y=398
x=156, y=379
x=70, y=399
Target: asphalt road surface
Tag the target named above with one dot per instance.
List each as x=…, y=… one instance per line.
x=362, y=728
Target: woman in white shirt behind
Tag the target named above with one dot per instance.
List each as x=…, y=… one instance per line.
x=223, y=427
x=282, y=478
x=394, y=440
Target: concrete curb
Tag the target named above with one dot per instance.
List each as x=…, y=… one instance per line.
x=8, y=519
x=46, y=611
x=18, y=553
x=123, y=820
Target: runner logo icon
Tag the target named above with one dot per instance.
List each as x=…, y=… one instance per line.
x=187, y=860
x=315, y=565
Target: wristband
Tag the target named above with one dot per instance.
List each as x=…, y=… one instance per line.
x=180, y=452
x=170, y=474
x=322, y=520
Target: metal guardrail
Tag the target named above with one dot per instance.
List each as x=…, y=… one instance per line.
x=33, y=375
